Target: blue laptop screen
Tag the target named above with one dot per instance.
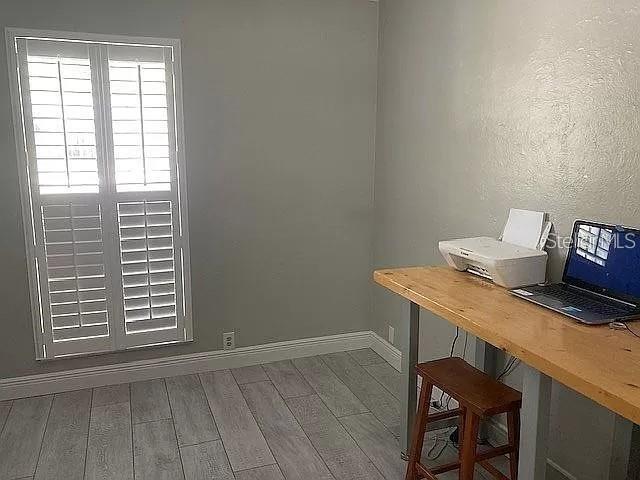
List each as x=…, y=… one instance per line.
x=605, y=259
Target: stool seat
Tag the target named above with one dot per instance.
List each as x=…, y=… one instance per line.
x=479, y=392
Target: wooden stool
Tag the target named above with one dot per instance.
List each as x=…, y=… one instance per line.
x=479, y=396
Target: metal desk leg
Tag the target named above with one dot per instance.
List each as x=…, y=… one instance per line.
x=485, y=360
x=625, y=450
x=633, y=466
x=409, y=380
x=534, y=430
x=486, y=356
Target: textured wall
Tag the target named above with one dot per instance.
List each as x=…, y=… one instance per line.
x=279, y=102
x=486, y=105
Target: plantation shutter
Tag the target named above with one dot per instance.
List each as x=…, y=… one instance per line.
x=106, y=208
x=65, y=164
x=140, y=104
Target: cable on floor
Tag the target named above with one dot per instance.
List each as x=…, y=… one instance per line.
x=439, y=438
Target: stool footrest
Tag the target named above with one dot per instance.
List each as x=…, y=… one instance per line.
x=424, y=473
x=493, y=470
x=495, y=452
x=447, y=467
x=435, y=417
x=482, y=459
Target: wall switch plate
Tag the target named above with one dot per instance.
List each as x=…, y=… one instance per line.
x=229, y=340
x=392, y=334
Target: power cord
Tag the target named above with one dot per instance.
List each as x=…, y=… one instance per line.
x=510, y=366
x=466, y=341
x=464, y=354
x=623, y=326
x=440, y=452
x=455, y=339
x=437, y=439
x=631, y=331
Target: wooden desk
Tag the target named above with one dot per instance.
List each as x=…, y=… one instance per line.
x=601, y=363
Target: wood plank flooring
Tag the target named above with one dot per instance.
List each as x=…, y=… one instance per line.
x=65, y=440
x=290, y=446
x=333, y=417
x=155, y=451
x=21, y=437
x=110, y=442
x=245, y=443
x=191, y=415
x=369, y=391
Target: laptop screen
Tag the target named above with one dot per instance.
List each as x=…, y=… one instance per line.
x=605, y=259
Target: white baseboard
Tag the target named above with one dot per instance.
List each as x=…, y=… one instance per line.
x=47, y=383
x=559, y=473
x=391, y=354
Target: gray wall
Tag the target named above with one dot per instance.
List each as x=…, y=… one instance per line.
x=486, y=105
x=279, y=102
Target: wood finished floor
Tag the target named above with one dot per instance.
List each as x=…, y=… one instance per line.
x=330, y=417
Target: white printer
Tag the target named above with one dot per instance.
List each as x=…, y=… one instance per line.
x=511, y=265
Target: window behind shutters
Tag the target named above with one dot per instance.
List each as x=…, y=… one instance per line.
x=106, y=227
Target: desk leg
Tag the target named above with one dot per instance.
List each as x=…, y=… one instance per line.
x=486, y=355
x=485, y=360
x=409, y=379
x=536, y=398
x=625, y=450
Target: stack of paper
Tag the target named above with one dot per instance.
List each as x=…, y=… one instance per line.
x=526, y=228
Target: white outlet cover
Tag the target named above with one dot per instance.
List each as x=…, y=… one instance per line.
x=229, y=340
x=392, y=334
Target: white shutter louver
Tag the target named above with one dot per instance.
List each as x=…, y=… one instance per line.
x=146, y=245
x=107, y=222
x=75, y=271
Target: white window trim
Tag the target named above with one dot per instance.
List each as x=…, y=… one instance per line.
x=11, y=34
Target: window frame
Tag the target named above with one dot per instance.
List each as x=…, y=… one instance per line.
x=12, y=35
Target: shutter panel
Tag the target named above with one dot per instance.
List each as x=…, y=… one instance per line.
x=143, y=136
x=59, y=103
x=76, y=277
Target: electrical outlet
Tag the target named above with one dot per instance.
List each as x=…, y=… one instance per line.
x=392, y=334
x=229, y=340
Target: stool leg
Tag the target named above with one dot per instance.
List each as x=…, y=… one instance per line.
x=513, y=426
x=469, y=445
x=461, y=431
x=419, y=430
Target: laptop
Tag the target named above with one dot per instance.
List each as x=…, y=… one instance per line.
x=601, y=280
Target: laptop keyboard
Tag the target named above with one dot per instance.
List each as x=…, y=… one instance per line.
x=582, y=301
